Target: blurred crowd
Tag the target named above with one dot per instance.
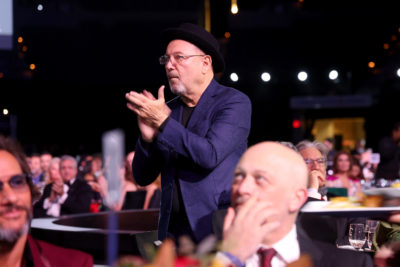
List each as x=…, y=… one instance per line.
x=53, y=176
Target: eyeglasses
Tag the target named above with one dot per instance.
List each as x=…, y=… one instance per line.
x=177, y=58
x=311, y=161
x=16, y=182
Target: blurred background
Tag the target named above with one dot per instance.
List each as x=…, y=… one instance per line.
x=312, y=69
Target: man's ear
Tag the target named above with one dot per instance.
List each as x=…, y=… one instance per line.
x=298, y=199
x=207, y=64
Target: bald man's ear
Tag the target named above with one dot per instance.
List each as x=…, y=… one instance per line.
x=207, y=64
x=298, y=199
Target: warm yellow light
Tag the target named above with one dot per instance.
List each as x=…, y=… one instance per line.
x=371, y=64
x=385, y=46
x=24, y=48
x=234, y=7
x=20, y=39
x=32, y=66
x=5, y=111
x=227, y=35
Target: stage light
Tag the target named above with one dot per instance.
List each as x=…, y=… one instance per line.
x=386, y=46
x=234, y=7
x=302, y=76
x=32, y=66
x=39, y=7
x=371, y=64
x=296, y=124
x=398, y=72
x=20, y=40
x=5, y=111
x=234, y=77
x=333, y=74
x=265, y=76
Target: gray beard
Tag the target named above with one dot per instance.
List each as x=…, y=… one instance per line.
x=12, y=236
x=178, y=90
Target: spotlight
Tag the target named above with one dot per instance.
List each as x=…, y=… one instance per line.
x=302, y=76
x=398, y=72
x=234, y=77
x=333, y=74
x=39, y=7
x=265, y=76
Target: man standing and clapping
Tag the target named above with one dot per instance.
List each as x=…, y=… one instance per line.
x=194, y=140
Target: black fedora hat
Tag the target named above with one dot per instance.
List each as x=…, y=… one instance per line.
x=199, y=37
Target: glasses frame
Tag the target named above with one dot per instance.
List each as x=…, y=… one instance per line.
x=13, y=186
x=318, y=160
x=164, y=59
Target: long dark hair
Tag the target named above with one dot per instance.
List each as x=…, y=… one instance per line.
x=14, y=148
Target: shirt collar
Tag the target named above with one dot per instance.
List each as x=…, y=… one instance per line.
x=288, y=248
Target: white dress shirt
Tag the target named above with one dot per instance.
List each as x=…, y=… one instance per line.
x=288, y=250
x=54, y=208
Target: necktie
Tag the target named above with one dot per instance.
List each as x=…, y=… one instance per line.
x=266, y=255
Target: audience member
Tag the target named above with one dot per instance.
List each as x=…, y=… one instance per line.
x=269, y=188
x=341, y=177
x=45, y=159
x=153, y=194
x=54, y=171
x=314, y=155
x=69, y=196
x=36, y=171
x=194, y=140
x=330, y=155
x=389, y=150
x=17, y=247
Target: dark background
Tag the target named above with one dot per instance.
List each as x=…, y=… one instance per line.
x=88, y=54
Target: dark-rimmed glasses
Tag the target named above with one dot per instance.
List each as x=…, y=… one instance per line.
x=177, y=58
x=16, y=182
x=318, y=160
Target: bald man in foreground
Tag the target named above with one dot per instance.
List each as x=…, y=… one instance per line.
x=269, y=188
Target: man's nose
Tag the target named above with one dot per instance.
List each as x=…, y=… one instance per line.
x=7, y=194
x=247, y=185
x=169, y=65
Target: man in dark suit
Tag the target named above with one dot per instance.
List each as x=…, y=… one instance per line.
x=67, y=196
x=17, y=247
x=269, y=188
x=196, y=139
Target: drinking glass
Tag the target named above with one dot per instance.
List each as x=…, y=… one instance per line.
x=357, y=235
x=370, y=227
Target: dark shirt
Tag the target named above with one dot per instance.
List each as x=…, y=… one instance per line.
x=179, y=222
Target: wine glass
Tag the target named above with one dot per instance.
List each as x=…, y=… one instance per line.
x=357, y=235
x=370, y=227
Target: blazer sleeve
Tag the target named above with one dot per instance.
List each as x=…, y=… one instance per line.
x=79, y=200
x=229, y=127
x=38, y=210
x=146, y=164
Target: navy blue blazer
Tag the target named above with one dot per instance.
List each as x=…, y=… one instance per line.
x=202, y=156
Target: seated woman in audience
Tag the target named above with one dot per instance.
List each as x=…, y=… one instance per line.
x=54, y=171
x=342, y=165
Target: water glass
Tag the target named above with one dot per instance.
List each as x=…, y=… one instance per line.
x=370, y=226
x=357, y=235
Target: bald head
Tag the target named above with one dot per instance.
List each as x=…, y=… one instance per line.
x=274, y=173
x=288, y=164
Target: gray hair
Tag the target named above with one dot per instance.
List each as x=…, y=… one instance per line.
x=68, y=157
x=317, y=145
x=289, y=145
